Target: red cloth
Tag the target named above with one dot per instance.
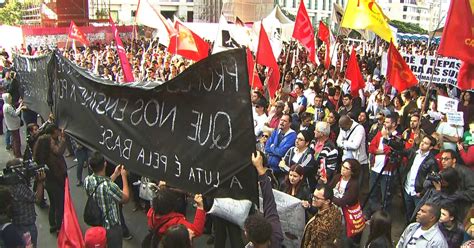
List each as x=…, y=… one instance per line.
x=173, y=218
x=374, y=146
x=468, y=157
x=353, y=73
x=254, y=79
x=324, y=35
x=466, y=76
x=76, y=34
x=126, y=68
x=303, y=32
x=70, y=234
x=457, y=34
x=266, y=57
x=188, y=44
x=399, y=74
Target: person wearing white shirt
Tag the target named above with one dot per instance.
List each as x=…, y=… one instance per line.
x=259, y=116
x=351, y=140
x=421, y=162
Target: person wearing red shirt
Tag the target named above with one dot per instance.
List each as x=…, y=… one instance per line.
x=163, y=214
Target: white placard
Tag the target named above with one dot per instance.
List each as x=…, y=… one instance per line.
x=455, y=118
x=292, y=218
x=235, y=211
x=447, y=105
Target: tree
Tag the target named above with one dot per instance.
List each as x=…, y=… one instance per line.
x=11, y=13
x=409, y=28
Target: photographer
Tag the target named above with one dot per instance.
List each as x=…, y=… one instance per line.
x=9, y=235
x=385, y=148
x=13, y=122
x=23, y=202
x=440, y=189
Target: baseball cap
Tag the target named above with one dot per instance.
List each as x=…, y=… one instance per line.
x=96, y=237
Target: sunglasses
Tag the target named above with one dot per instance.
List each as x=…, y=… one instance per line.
x=265, y=136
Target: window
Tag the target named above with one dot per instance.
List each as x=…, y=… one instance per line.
x=405, y=8
x=404, y=16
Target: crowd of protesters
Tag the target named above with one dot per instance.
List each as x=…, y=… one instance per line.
x=333, y=150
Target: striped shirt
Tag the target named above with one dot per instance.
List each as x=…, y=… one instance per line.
x=108, y=196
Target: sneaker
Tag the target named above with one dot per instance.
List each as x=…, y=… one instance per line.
x=127, y=237
x=8, y=148
x=79, y=184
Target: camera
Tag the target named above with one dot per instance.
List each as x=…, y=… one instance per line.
x=397, y=145
x=434, y=177
x=20, y=172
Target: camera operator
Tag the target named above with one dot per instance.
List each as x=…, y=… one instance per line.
x=440, y=189
x=23, y=204
x=386, y=149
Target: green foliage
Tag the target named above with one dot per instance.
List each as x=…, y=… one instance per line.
x=11, y=13
x=410, y=28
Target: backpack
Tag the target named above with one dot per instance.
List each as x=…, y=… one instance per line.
x=152, y=239
x=92, y=212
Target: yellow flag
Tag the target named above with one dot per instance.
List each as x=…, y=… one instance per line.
x=367, y=14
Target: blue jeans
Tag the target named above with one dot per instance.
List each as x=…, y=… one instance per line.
x=381, y=189
x=82, y=155
x=8, y=139
x=410, y=204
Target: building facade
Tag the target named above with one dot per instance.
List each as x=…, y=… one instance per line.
x=428, y=14
x=317, y=9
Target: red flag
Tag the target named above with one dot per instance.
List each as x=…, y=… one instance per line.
x=76, y=34
x=265, y=57
x=303, y=32
x=466, y=76
x=126, y=68
x=188, y=44
x=70, y=234
x=254, y=79
x=458, y=34
x=399, y=74
x=353, y=73
x=324, y=35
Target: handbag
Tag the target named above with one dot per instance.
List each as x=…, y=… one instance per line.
x=147, y=189
x=354, y=218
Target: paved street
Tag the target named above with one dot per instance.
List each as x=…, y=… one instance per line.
x=136, y=221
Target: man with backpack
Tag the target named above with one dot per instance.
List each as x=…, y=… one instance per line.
x=107, y=195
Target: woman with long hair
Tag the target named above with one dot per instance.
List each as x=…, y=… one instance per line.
x=333, y=120
x=294, y=184
x=380, y=231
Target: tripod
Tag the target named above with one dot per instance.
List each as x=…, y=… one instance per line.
x=387, y=190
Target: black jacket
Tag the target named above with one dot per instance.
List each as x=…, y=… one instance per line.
x=428, y=165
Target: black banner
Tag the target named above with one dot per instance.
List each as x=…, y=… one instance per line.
x=33, y=76
x=195, y=132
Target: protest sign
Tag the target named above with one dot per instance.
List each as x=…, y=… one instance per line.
x=446, y=104
x=33, y=77
x=446, y=71
x=235, y=211
x=292, y=217
x=194, y=132
x=455, y=118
